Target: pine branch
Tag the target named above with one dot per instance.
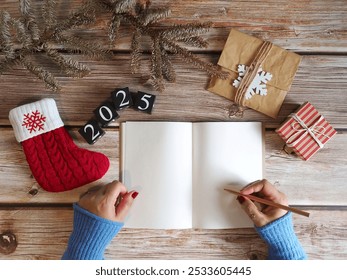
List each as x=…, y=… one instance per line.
x=167, y=38
x=75, y=20
x=135, y=12
x=92, y=7
x=6, y=45
x=25, y=7
x=34, y=40
x=69, y=66
x=21, y=33
x=42, y=74
x=134, y=21
x=210, y=68
x=167, y=68
x=78, y=45
x=29, y=19
x=48, y=13
x=114, y=27
x=136, y=51
x=156, y=69
x=178, y=32
x=122, y=6
x=154, y=15
x=196, y=42
x=141, y=5
x=8, y=63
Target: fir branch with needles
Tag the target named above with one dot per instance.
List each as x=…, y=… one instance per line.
x=165, y=41
x=32, y=37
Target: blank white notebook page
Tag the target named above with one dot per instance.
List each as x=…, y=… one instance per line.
x=228, y=153
x=157, y=162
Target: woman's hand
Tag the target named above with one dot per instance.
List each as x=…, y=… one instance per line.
x=111, y=201
x=266, y=214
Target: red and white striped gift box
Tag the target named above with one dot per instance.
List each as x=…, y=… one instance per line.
x=306, y=131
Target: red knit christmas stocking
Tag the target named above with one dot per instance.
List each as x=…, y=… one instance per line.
x=55, y=161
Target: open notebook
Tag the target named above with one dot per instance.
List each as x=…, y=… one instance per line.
x=180, y=170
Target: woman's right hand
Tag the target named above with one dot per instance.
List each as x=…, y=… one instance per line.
x=266, y=214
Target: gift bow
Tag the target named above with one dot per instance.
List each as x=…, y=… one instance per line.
x=313, y=130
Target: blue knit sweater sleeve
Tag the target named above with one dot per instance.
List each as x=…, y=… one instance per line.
x=282, y=240
x=90, y=236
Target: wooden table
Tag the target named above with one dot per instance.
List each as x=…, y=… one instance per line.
x=41, y=222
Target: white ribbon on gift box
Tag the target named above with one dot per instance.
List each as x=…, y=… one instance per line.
x=313, y=130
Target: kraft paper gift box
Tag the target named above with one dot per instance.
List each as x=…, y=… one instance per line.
x=261, y=73
x=306, y=131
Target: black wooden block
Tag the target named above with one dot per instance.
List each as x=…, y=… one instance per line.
x=121, y=98
x=106, y=113
x=91, y=131
x=144, y=101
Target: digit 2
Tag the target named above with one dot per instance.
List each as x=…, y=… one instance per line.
x=91, y=131
x=121, y=98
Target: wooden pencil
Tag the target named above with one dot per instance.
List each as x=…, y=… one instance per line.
x=270, y=203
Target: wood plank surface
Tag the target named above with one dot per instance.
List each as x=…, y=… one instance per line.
x=35, y=224
x=320, y=80
x=303, y=26
x=305, y=183
x=42, y=233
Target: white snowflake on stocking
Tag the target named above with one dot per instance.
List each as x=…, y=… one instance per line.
x=34, y=121
x=258, y=85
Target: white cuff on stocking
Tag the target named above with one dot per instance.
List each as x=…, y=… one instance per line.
x=35, y=118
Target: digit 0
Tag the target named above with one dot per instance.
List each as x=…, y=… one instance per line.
x=106, y=113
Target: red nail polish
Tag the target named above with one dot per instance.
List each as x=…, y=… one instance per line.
x=134, y=195
x=240, y=199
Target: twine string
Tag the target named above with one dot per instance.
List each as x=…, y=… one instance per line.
x=314, y=131
x=248, y=78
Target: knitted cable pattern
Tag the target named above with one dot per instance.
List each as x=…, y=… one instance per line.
x=59, y=165
x=70, y=170
x=40, y=164
x=90, y=236
x=92, y=165
x=281, y=239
